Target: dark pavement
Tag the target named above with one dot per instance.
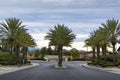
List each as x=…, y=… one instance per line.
x=47, y=71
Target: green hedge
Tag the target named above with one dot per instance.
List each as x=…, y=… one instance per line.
x=4, y=59
x=109, y=61
x=78, y=59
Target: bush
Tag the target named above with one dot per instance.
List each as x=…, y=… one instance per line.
x=117, y=60
x=109, y=61
x=38, y=58
x=30, y=53
x=78, y=59
x=4, y=63
x=102, y=63
x=4, y=59
x=37, y=53
x=75, y=54
x=109, y=58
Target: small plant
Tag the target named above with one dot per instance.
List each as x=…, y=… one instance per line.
x=109, y=61
x=30, y=53
x=4, y=59
x=37, y=53
x=75, y=54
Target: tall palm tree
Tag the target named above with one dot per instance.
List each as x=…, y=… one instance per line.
x=91, y=43
x=17, y=45
x=103, y=34
x=113, y=28
x=60, y=36
x=25, y=40
x=11, y=28
x=94, y=42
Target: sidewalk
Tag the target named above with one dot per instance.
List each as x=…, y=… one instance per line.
x=8, y=69
x=111, y=69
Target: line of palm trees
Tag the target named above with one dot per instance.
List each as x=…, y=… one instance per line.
x=103, y=37
x=14, y=36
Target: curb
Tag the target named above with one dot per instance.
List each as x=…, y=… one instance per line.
x=61, y=67
x=115, y=71
x=4, y=70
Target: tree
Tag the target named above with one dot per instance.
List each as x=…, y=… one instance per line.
x=103, y=34
x=37, y=53
x=60, y=36
x=75, y=54
x=95, y=42
x=43, y=51
x=113, y=28
x=90, y=42
x=26, y=41
x=16, y=36
x=10, y=28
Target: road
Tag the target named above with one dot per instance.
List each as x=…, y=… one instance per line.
x=47, y=71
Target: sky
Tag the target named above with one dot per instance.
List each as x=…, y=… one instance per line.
x=82, y=16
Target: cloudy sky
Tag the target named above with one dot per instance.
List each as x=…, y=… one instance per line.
x=82, y=16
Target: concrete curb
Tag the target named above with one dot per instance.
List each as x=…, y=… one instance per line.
x=61, y=67
x=8, y=69
x=111, y=70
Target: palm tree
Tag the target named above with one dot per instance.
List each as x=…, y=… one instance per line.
x=113, y=28
x=18, y=42
x=26, y=41
x=90, y=42
x=103, y=34
x=94, y=42
x=11, y=28
x=60, y=36
x=96, y=39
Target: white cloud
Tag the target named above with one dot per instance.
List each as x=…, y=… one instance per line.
x=39, y=36
x=37, y=24
x=41, y=42
x=57, y=0
x=79, y=46
x=82, y=35
x=82, y=16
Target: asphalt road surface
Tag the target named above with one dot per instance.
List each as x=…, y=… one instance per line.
x=47, y=71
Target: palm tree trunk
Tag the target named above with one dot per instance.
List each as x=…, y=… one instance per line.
x=114, y=56
x=104, y=53
x=11, y=52
x=93, y=55
x=59, y=55
x=26, y=49
x=98, y=53
x=24, y=58
x=0, y=48
x=17, y=54
x=23, y=55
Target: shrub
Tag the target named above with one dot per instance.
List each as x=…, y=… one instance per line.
x=37, y=53
x=4, y=63
x=30, y=53
x=4, y=59
x=75, y=54
x=109, y=58
x=109, y=61
x=78, y=59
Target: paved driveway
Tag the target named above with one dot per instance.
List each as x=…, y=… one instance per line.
x=47, y=71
